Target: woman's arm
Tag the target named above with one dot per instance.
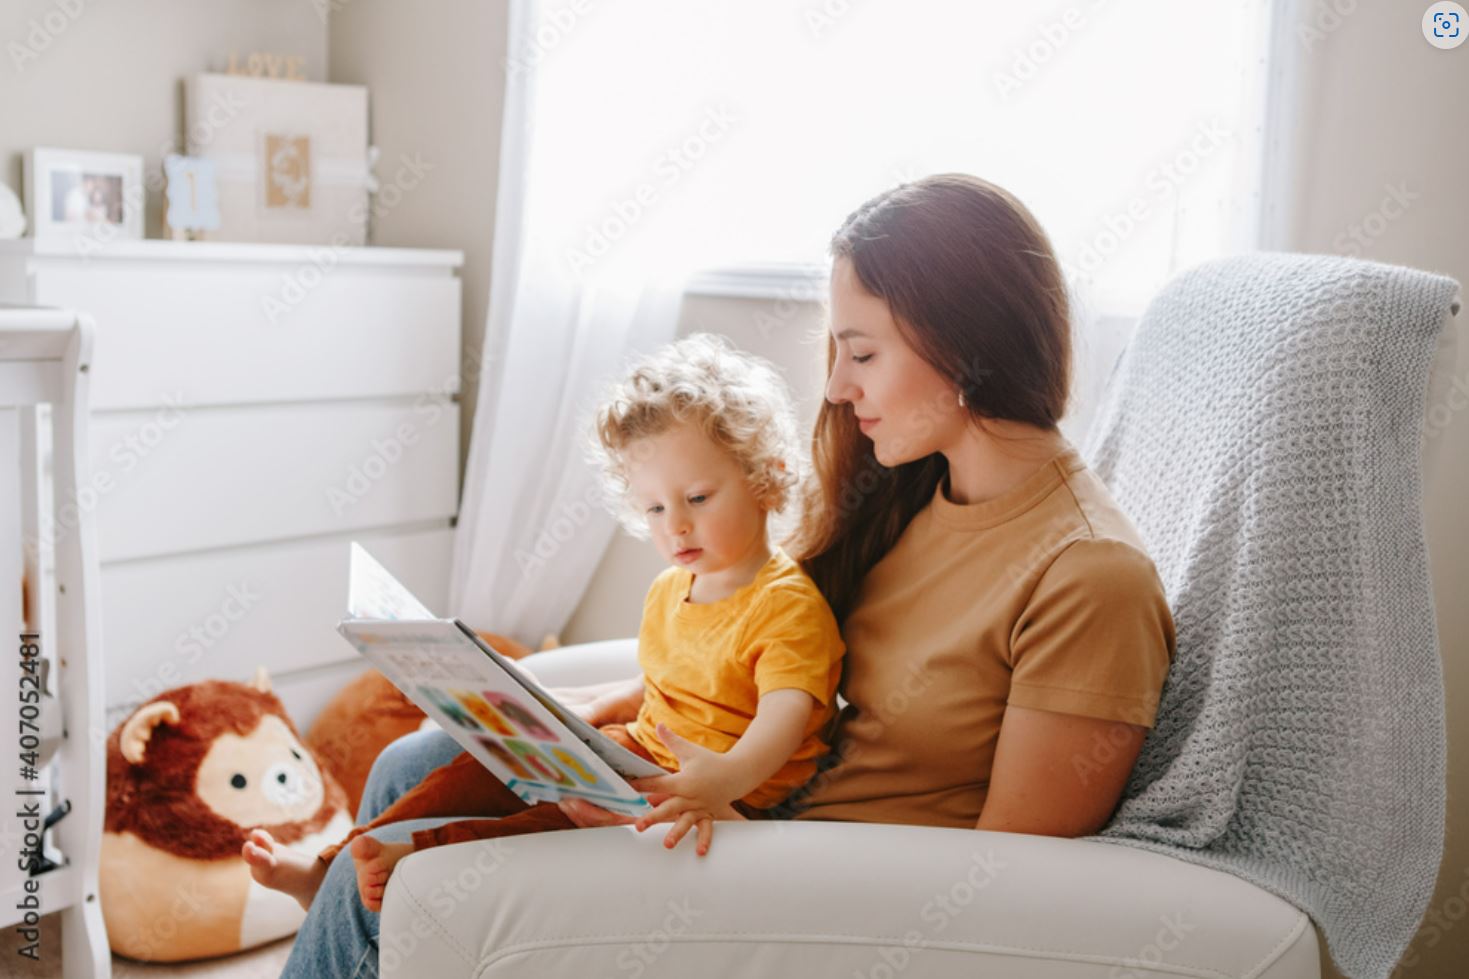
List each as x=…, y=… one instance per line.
x=1058, y=774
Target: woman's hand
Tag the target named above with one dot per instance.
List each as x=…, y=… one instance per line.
x=603, y=703
x=578, y=700
x=589, y=815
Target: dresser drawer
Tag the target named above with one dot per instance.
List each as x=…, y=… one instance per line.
x=176, y=480
x=191, y=617
x=215, y=334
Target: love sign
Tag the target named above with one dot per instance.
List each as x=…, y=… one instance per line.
x=265, y=64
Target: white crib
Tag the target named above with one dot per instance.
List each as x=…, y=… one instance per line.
x=47, y=540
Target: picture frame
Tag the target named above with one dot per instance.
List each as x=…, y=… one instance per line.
x=82, y=194
x=191, y=193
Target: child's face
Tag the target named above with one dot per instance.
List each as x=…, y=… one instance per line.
x=696, y=500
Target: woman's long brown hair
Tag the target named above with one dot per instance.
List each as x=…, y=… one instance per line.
x=975, y=289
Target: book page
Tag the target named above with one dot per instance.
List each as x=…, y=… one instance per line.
x=489, y=713
x=373, y=593
x=516, y=729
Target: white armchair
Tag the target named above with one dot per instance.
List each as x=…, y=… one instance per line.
x=822, y=898
x=834, y=899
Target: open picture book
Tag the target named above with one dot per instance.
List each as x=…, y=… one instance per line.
x=481, y=699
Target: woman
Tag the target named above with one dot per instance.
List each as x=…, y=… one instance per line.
x=1007, y=634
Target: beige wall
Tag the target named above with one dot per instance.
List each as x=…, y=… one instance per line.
x=436, y=89
x=109, y=78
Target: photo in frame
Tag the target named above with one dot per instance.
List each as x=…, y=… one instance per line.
x=82, y=194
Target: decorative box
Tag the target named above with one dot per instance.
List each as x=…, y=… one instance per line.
x=291, y=157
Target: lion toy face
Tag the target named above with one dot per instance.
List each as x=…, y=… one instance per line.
x=264, y=777
x=189, y=774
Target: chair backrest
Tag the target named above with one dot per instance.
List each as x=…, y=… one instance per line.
x=1192, y=328
x=1265, y=431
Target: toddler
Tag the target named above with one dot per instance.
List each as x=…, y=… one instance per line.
x=740, y=654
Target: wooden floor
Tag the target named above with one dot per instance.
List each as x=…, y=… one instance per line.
x=265, y=962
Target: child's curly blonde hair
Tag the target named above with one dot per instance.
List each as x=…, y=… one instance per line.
x=737, y=399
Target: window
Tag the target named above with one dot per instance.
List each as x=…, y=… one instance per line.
x=741, y=134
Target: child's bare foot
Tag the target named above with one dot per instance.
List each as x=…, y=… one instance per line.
x=375, y=862
x=282, y=868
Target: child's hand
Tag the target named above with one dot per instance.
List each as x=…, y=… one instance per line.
x=697, y=794
x=686, y=819
x=704, y=779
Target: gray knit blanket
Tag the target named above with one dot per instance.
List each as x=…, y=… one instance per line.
x=1264, y=430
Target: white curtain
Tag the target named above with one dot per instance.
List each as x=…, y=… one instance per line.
x=661, y=136
x=531, y=525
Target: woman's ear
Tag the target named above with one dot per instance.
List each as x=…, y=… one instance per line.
x=139, y=728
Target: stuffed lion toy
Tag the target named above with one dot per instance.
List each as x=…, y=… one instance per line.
x=189, y=774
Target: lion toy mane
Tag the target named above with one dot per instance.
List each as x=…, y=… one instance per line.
x=189, y=774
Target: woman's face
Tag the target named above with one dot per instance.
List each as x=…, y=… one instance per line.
x=903, y=405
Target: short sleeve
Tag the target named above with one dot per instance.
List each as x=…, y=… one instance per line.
x=795, y=642
x=1096, y=637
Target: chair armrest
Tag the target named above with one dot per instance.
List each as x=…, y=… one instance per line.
x=827, y=898
x=584, y=663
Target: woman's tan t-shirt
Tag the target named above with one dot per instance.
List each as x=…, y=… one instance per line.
x=1042, y=597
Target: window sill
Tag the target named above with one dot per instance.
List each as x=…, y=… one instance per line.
x=797, y=282
x=765, y=280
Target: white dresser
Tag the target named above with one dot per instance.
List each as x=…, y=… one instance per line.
x=254, y=409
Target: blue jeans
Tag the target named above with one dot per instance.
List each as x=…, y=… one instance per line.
x=338, y=939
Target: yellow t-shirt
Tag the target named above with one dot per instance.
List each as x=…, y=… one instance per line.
x=1044, y=597
x=705, y=666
